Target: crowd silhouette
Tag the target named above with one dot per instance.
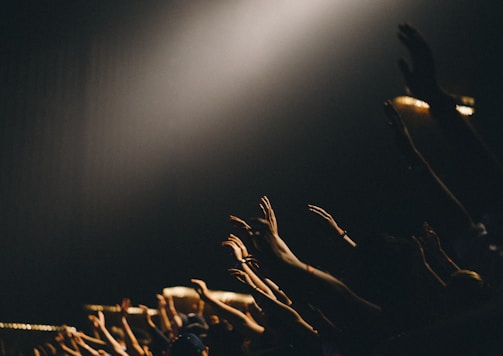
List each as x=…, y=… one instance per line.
x=434, y=292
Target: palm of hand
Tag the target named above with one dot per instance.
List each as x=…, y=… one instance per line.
x=267, y=241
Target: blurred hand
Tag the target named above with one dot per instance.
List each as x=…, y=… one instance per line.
x=201, y=289
x=419, y=74
x=238, y=253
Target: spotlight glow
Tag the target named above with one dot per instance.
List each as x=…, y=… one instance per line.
x=164, y=95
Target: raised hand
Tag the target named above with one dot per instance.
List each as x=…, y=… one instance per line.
x=325, y=215
x=240, y=244
x=432, y=245
x=236, y=249
x=419, y=74
x=243, y=277
x=146, y=314
x=431, y=241
x=266, y=240
x=240, y=223
x=268, y=212
x=201, y=289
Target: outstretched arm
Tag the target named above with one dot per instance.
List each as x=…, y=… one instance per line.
x=303, y=282
x=158, y=338
x=325, y=215
x=174, y=318
x=421, y=80
x=435, y=253
x=426, y=264
x=277, y=310
x=238, y=319
x=419, y=74
x=96, y=342
x=164, y=319
x=241, y=253
x=302, y=273
x=432, y=180
x=100, y=320
x=133, y=346
x=84, y=346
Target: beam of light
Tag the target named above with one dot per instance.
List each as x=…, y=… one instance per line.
x=189, y=76
x=200, y=70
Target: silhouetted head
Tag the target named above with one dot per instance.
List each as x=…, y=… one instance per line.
x=188, y=345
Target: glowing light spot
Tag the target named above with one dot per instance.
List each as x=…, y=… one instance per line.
x=422, y=105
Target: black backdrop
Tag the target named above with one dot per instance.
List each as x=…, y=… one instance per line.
x=120, y=165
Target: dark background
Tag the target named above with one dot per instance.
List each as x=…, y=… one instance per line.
x=130, y=130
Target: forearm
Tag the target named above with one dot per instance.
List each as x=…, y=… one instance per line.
x=132, y=343
x=338, y=288
x=88, y=349
x=95, y=341
x=442, y=201
x=174, y=319
x=243, y=324
x=255, y=279
x=293, y=326
x=112, y=342
x=69, y=350
x=166, y=325
x=442, y=264
x=302, y=277
x=442, y=196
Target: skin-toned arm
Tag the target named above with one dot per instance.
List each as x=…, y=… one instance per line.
x=426, y=264
x=291, y=319
x=166, y=325
x=244, y=325
x=273, y=251
x=278, y=292
x=432, y=180
x=100, y=319
x=420, y=78
x=435, y=253
x=84, y=346
x=90, y=339
x=240, y=252
x=158, y=337
x=282, y=257
x=432, y=242
x=73, y=351
x=133, y=346
x=325, y=215
x=305, y=283
x=174, y=318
